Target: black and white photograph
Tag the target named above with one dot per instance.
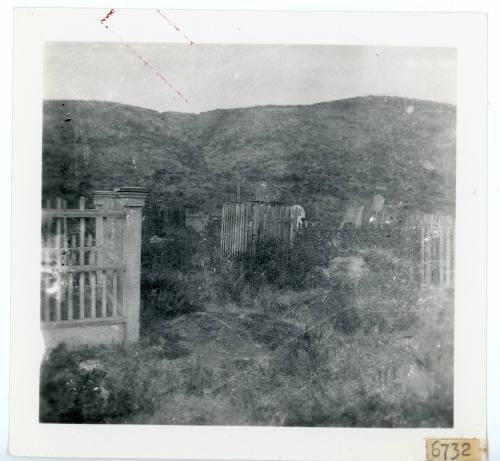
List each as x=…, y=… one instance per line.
x=248, y=232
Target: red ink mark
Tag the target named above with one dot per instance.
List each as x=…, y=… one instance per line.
x=175, y=27
x=110, y=12
x=144, y=61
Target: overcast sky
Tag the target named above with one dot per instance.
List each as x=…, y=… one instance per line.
x=225, y=76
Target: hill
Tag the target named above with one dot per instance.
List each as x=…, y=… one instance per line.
x=322, y=156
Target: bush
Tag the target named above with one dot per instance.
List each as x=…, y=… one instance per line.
x=174, y=249
x=277, y=264
x=166, y=292
x=72, y=393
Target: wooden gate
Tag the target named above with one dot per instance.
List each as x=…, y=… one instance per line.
x=90, y=284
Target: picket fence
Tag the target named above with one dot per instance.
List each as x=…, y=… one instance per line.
x=431, y=235
x=437, y=248
x=90, y=283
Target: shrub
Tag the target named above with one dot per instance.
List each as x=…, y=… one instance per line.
x=167, y=292
x=169, y=282
x=277, y=264
x=71, y=393
x=174, y=249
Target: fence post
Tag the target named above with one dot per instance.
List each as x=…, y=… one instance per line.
x=131, y=200
x=104, y=199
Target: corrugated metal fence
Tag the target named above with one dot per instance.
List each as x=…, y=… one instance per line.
x=246, y=223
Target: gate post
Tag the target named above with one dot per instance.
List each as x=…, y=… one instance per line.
x=104, y=199
x=131, y=200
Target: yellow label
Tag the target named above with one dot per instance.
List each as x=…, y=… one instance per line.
x=454, y=450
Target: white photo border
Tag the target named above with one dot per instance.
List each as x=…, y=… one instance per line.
x=464, y=31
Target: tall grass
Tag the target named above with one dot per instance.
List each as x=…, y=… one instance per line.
x=280, y=339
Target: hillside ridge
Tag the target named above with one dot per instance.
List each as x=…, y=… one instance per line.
x=322, y=155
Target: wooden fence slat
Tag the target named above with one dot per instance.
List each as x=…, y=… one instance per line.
x=99, y=235
x=242, y=220
x=422, y=255
x=112, y=235
x=69, y=277
x=448, y=257
x=425, y=258
x=428, y=252
x=104, y=293
x=433, y=257
x=264, y=220
x=45, y=281
x=442, y=257
x=230, y=229
x=229, y=232
x=92, y=268
x=72, y=259
x=92, y=279
x=224, y=230
x=236, y=228
x=58, y=248
x=83, y=323
x=282, y=232
x=428, y=256
x=244, y=226
x=233, y=229
x=48, y=207
x=82, y=261
x=115, y=294
x=239, y=226
x=70, y=296
x=255, y=223
x=76, y=213
x=65, y=225
x=246, y=218
x=436, y=258
x=276, y=222
x=72, y=250
x=82, y=295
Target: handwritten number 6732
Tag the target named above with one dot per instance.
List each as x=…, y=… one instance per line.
x=451, y=449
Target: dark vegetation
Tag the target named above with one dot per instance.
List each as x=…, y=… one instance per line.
x=321, y=156
x=75, y=388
